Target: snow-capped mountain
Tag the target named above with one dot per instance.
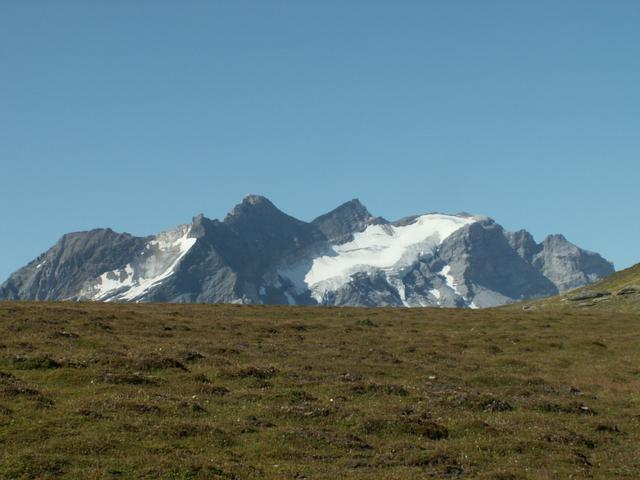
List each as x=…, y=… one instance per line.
x=258, y=254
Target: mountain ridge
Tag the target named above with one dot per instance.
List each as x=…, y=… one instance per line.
x=348, y=256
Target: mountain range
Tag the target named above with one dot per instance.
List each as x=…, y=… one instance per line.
x=258, y=254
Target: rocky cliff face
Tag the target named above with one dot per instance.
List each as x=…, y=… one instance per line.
x=339, y=225
x=258, y=254
x=77, y=258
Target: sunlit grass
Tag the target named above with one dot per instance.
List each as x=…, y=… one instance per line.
x=195, y=391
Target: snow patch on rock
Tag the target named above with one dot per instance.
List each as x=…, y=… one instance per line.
x=451, y=282
x=379, y=247
x=155, y=263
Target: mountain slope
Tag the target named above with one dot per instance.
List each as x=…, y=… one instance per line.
x=259, y=254
x=619, y=281
x=620, y=292
x=340, y=224
x=77, y=258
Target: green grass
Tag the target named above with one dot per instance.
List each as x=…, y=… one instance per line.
x=622, y=291
x=251, y=392
x=617, y=281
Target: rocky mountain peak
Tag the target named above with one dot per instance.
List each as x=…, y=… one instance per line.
x=259, y=254
x=343, y=221
x=354, y=207
x=524, y=244
x=252, y=199
x=253, y=206
x=569, y=266
x=555, y=239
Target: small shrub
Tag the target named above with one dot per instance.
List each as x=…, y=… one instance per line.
x=365, y=323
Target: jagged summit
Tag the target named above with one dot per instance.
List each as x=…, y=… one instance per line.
x=253, y=206
x=259, y=254
x=556, y=238
x=353, y=206
x=340, y=223
x=254, y=199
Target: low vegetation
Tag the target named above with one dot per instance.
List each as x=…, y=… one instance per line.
x=619, y=292
x=251, y=392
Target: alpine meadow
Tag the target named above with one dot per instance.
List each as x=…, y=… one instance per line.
x=320, y=240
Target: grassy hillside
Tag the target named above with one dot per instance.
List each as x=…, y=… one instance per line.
x=619, y=280
x=247, y=392
x=619, y=292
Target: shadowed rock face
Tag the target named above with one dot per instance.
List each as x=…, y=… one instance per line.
x=568, y=266
x=258, y=254
x=484, y=253
x=340, y=224
x=262, y=234
x=78, y=257
x=523, y=244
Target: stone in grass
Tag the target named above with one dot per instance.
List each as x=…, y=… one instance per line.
x=633, y=290
x=588, y=296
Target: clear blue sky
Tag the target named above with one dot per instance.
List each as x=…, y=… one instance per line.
x=140, y=114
